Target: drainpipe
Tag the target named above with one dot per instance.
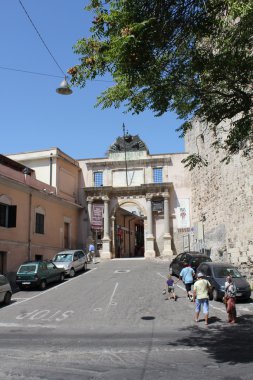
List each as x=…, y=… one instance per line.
x=29, y=225
x=51, y=168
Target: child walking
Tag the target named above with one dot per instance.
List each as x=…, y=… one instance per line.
x=170, y=288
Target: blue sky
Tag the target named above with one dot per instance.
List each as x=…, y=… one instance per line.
x=33, y=116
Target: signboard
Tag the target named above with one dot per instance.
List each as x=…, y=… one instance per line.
x=157, y=206
x=97, y=216
x=183, y=214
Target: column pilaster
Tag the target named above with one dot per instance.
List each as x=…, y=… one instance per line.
x=89, y=232
x=149, y=251
x=106, y=252
x=167, y=251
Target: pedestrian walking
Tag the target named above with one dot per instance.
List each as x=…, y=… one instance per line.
x=201, y=297
x=187, y=276
x=170, y=288
x=230, y=299
x=92, y=253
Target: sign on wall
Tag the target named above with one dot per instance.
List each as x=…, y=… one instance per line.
x=183, y=213
x=97, y=216
x=157, y=206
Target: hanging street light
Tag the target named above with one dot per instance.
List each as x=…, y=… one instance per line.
x=64, y=88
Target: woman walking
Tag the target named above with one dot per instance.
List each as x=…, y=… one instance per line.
x=230, y=299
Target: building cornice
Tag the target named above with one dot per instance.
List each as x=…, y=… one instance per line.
x=141, y=162
x=155, y=188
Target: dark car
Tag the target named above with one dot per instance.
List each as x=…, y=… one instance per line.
x=216, y=274
x=193, y=258
x=38, y=274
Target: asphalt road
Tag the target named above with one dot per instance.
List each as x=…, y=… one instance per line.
x=112, y=322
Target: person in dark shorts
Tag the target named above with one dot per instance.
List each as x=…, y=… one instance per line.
x=170, y=288
x=187, y=276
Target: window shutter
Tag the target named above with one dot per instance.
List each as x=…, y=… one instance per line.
x=12, y=216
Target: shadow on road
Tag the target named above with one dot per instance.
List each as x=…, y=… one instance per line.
x=225, y=343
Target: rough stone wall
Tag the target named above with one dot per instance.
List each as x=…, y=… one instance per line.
x=223, y=194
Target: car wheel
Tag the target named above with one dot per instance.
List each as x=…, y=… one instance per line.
x=62, y=277
x=43, y=285
x=7, y=298
x=72, y=272
x=215, y=295
x=85, y=267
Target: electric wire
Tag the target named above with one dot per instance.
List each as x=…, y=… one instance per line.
x=48, y=75
x=42, y=40
x=30, y=72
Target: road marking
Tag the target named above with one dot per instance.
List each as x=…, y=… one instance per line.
x=49, y=290
x=46, y=315
x=28, y=326
x=113, y=293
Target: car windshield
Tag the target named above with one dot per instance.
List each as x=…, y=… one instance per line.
x=221, y=272
x=198, y=260
x=65, y=257
x=27, y=269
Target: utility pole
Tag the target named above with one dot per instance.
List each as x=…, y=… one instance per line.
x=124, y=137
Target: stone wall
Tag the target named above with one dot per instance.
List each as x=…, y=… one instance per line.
x=222, y=198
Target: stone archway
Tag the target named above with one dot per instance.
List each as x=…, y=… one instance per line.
x=128, y=229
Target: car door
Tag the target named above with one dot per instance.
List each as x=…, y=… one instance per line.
x=77, y=263
x=52, y=272
x=81, y=258
x=2, y=288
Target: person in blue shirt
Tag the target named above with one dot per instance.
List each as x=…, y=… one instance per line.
x=187, y=276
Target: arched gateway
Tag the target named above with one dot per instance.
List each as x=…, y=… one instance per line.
x=129, y=201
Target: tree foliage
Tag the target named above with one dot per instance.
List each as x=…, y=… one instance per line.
x=193, y=57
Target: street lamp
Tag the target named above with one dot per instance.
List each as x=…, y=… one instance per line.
x=64, y=88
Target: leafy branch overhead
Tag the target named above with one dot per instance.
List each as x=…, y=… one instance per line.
x=193, y=57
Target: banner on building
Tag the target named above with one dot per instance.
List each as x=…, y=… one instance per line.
x=183, y=213
x=97, y=216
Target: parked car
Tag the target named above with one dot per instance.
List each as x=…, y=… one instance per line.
x=38, y=274
x=71, y=261
x=5, y=290
x=193, y=258
x=216, y=274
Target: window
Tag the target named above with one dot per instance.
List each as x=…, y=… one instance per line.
x=98, y=179
x=8, y=215
x=39, y=227
x=158, y=175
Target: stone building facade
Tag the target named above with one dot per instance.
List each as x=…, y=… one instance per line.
x=145, y=199
x=141, y=195
x=222, y=202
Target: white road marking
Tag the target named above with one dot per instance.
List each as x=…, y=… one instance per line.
x=113, y=293
x=49, y=290
x=28, y=326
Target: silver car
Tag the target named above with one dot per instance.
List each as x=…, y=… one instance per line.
x=5, y=290
x=71, y=260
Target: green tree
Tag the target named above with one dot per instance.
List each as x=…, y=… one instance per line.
x=193, y=57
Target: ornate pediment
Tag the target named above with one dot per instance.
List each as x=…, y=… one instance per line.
x=128, y=143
